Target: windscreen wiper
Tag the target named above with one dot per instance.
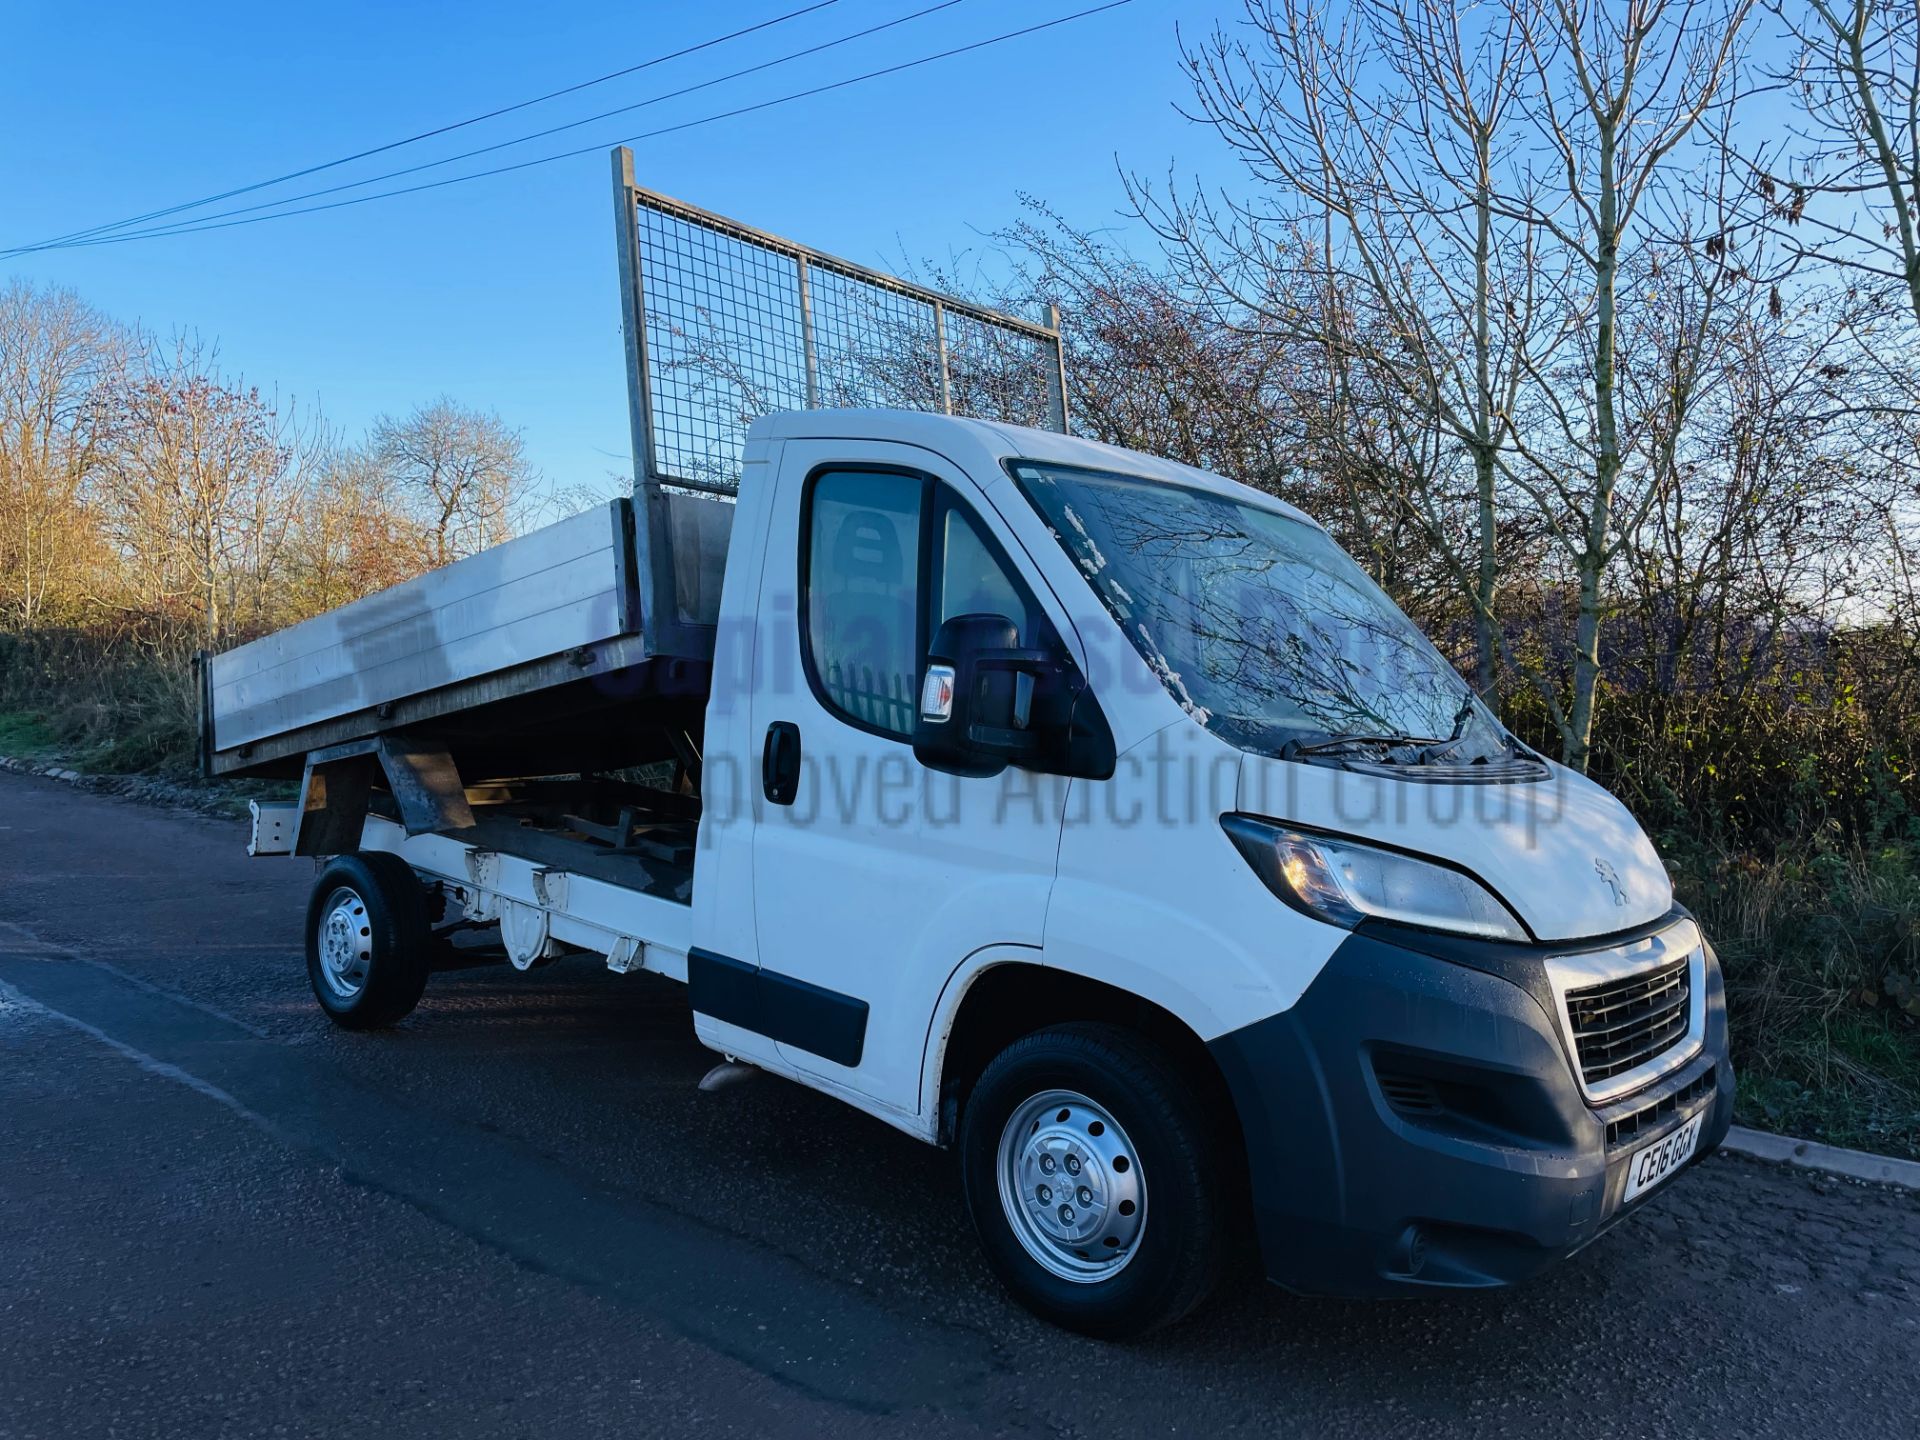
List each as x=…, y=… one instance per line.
x=1424, y=743
x=1337, y=743
x=1460, y=719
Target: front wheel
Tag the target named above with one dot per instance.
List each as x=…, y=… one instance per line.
x=367, y=940
x=1092, y=1169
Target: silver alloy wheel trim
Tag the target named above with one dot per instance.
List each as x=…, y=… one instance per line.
x=345, y=943
x=1071, y=1186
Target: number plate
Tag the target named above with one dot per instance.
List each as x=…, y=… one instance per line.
x=1657, y=1161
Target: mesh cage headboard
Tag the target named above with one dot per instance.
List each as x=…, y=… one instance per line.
x=725, y=323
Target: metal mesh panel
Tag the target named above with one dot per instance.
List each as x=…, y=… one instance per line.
x=1001, y=373
x=737, y=324
x=723, y=344
x=873, y=345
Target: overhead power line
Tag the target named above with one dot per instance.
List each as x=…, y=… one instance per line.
x=195, y=228
x=493, y=114
x=522, y=139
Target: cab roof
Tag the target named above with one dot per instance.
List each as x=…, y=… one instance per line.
x=981, y=445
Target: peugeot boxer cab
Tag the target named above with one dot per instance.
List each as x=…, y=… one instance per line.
x=1217, y=874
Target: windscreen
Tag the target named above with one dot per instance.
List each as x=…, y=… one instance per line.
x=1258, y=624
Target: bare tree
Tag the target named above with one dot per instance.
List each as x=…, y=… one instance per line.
x=1388, y=228
x=1616, y=92
x=58, y=357
x=1472, y=187
x=1150, y=367
x=350, y=536
x=201, y=488
x=1766, y=502
x=461, y=474
x=1853, y=197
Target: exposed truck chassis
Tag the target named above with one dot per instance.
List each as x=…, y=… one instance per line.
x=559, y=865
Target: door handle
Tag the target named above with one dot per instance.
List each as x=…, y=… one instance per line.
x=780, y=762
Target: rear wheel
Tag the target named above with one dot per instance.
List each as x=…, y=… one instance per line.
x=367, y=940
x=1091, y=1166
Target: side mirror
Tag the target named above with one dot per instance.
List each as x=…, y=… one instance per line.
x=976, y=698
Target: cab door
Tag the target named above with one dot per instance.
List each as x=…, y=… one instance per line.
x=874, y=877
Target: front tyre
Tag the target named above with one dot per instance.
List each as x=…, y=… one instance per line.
x=367, y=940
x=1092, y=1169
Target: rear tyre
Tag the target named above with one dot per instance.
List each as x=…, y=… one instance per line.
x=368, y=940
x=1092, y=1169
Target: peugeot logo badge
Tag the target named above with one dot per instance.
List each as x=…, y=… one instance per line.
x=1611, y=876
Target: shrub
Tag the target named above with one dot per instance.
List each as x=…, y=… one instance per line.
x=113, y=702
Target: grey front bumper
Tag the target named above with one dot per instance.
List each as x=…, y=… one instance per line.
x=1414, y=1121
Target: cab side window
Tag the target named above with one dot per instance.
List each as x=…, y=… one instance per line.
x=973, y=581
x=862, y=590
x=888, y=556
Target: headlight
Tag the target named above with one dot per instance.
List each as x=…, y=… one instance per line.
x=1343, y=882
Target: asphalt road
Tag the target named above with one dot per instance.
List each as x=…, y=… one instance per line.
x=515, y=1215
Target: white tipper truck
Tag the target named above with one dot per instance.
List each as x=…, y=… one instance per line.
x=1090, y=814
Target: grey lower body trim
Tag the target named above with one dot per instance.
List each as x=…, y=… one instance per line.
x=793, y=1012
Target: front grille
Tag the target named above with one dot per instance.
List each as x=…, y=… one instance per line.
x=1625, y=1129
x=1620, y=1025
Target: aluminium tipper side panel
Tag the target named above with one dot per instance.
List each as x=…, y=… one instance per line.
x=569, y=585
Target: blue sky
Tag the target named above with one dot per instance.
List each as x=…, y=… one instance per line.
x=501, y=293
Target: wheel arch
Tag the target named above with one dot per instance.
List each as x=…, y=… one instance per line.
x=1000, y=997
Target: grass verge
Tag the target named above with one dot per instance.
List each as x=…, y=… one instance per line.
x=24, y=736
x=1821, y=953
